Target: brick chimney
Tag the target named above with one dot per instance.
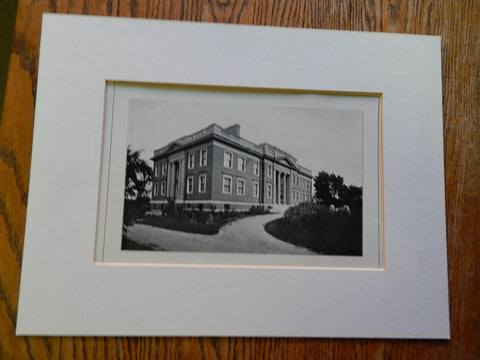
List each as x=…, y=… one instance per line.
x=234, y=130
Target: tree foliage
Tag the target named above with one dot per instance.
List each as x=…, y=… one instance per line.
x=331, y=190
x=138, y=176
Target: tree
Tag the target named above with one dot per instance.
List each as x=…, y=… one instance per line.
x=352, y=196
x=328, y=188
x=138, y=176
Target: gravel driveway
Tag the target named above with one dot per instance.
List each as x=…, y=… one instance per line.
x=246, y=235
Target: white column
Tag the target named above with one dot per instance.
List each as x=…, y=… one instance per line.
x=289, y=190
x=274, y=195
x=280, y=187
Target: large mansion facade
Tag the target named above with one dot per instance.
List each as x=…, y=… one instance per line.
x=216, y=168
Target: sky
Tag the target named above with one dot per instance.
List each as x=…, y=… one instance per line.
x=321, y=139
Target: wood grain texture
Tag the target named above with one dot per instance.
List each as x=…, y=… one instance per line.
x=458, y=24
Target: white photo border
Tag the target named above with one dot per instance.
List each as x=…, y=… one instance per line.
x=62, y=290
x=109, y=227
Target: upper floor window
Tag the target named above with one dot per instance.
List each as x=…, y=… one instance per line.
x=269, y=171
x=228, y=159
x=191, y=160
x=241, y=163
x=240, y=187
x=203, y=157
x=202, y=183
x=256, y=168
x=164, y=168
x=156, y=169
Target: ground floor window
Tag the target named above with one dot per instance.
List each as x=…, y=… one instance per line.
x=189, y=184
x=202, y=183
x=269, y=191
x=256, y=187
x=155, y=189
x=241, y=187
x=227, y=184
x=163, y=188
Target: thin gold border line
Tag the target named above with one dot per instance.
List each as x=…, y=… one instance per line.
x=238, y=266
x=234, y=88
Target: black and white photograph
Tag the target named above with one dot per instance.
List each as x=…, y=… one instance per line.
x=240, y=176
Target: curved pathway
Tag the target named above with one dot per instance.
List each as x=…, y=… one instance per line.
x=245, y=235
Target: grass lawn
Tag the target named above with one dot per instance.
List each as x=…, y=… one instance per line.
x=338, y=241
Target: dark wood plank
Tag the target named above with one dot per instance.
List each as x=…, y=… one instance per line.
x=458, y=24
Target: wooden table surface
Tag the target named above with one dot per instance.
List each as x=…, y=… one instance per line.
x=458, y=22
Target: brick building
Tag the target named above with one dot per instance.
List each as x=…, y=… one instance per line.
x=217, y=168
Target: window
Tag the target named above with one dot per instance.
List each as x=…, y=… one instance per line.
x=155, y=189
x=164, y=168
x=228, y=159
x=269, y=171
x=163, y=188
x=190, y=184
x=227, y=184
x=241, y=187
x=241, y=163
x=156, y=169
x=203, y=157
x=308, y=184
x=256, y=168
x=269, y=191
x=304, y=197
x=256, y=187
x=191, y=160
x=202, y=183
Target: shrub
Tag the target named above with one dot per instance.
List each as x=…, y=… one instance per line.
x=257, y=210
x=314, y=226
x=310, y=215
x=134, y=210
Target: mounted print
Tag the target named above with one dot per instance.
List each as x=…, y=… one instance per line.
x=220, y=170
